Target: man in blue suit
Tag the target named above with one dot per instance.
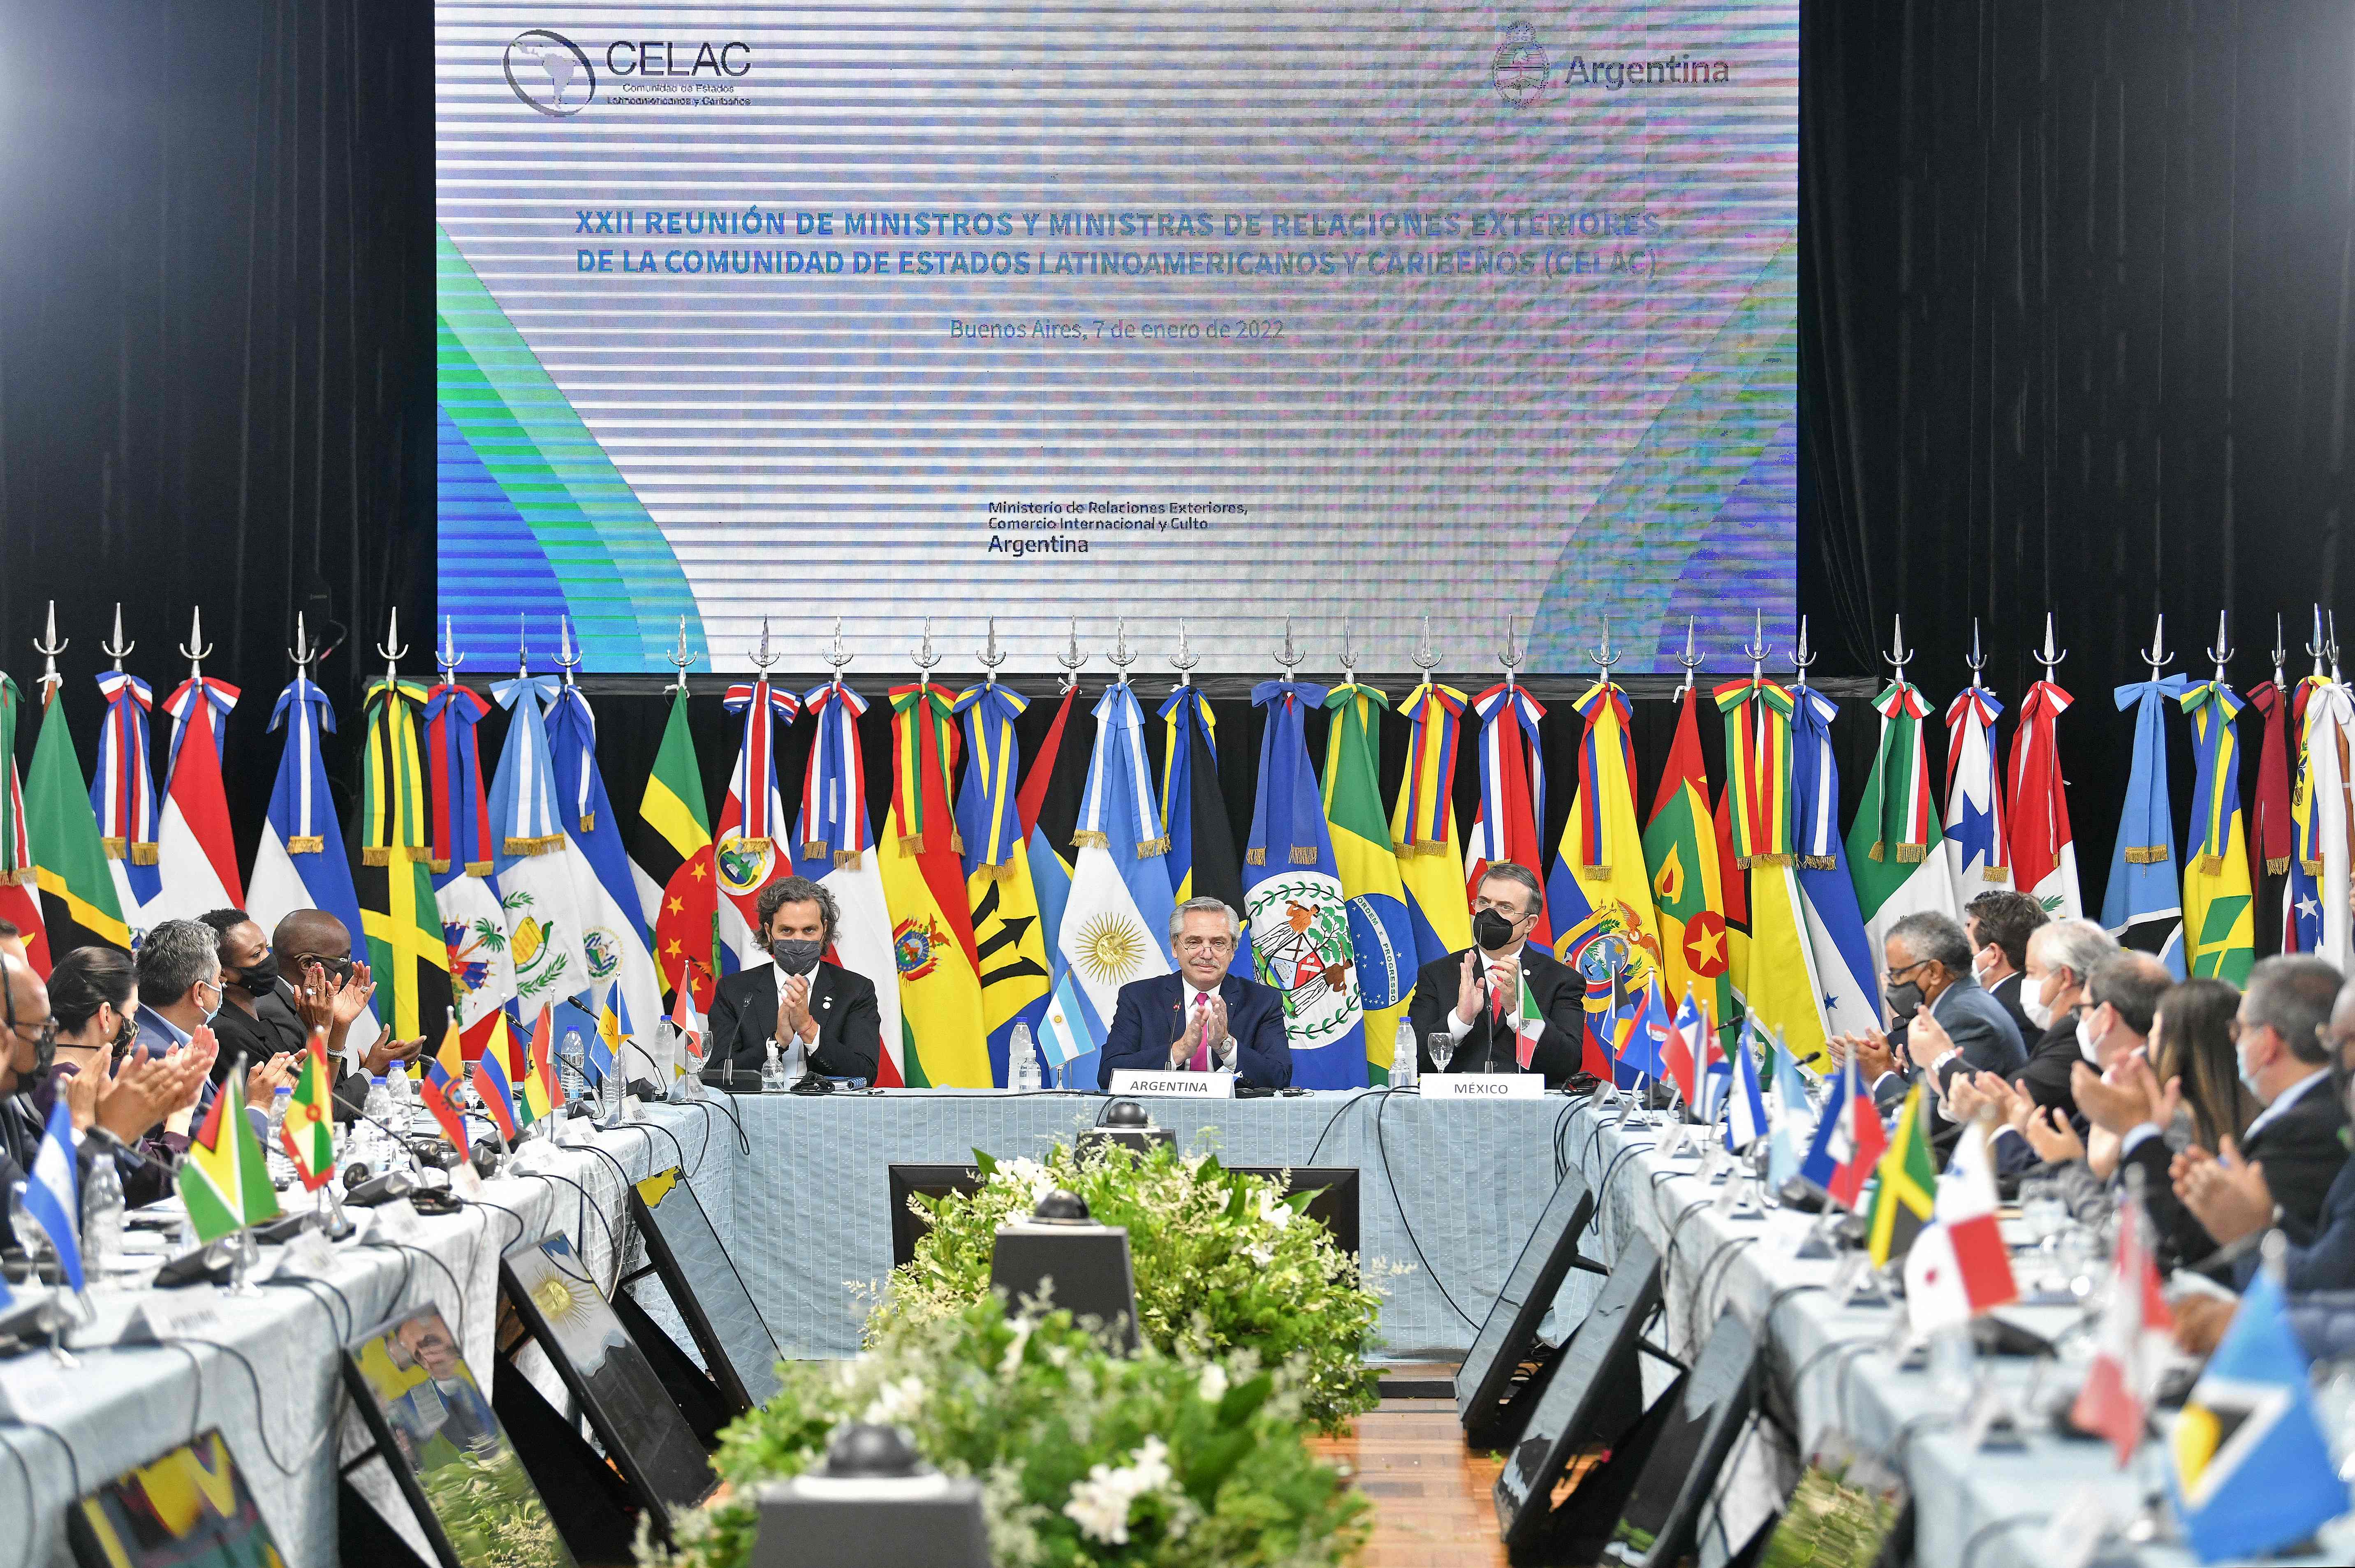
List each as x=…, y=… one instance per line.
x=1200, y=1019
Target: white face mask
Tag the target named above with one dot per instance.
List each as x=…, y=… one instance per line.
x=1982, y=962
x=2032, y=1002
x=2089, y=1045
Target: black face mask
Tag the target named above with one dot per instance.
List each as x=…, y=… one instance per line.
x=1904, y=1000
x=795, y=956
x=1491, y=929
x=126, y=1029
x=260, y=980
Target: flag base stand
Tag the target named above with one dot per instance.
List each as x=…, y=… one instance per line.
x=1822, y=1238
x=243, y=1255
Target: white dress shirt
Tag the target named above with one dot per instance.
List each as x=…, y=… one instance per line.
x=1222, y=1051
x=1457, y=1027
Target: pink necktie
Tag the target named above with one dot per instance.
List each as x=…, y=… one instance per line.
x=1201, y=1028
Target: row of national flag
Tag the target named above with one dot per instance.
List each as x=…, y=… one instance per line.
x=975, y=928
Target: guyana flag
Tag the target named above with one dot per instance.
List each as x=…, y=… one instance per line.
x=1680, y=854
x=309, y=1130
x=222, y=1179
x=1908, y=1184
x=78, y=907
x=925, y=889
x=1382, y=933
x=2220, y=928
x=20, y=899
x=671, y=843
x=407, y=955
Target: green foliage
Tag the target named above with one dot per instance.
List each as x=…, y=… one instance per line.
x=488, y=1508
x=1085, y=1457
x=1224, y=1263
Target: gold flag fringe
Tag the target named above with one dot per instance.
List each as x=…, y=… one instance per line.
x=912, y=843
x=588, y=822
x=2146, y=855
x=812, y=849
x=1596, y=870
x=1092, y=838
x=1304, y=855
x=306, y=843
x=2311, y=867
x=1994, y=874
x=1874, y=853
x=1910, y=854
x=475, y=868
x=531, y=846
x=849, y=860
x=1002, y=872
x=754, y=845
x=1770, y=860
x=143, y=854
x=1819, y=863
x=2208, y=864
x=115, y=848
x=1153, y=846
x=2276, y=865
x=22, y=877
x=1422, y=847
x=437, y=865
x=1255, y=857
x=376, y=854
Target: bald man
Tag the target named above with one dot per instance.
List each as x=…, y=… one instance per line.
x=320, y=987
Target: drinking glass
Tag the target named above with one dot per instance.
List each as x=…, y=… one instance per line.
x=1442, y=1046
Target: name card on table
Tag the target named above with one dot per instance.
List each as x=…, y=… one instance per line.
x=1201, y=1086
x=1482, y=1085
x=398, y=1222
x=191, y=1314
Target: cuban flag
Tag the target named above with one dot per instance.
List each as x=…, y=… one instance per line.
x=1848, y=1142
x=53, y=1194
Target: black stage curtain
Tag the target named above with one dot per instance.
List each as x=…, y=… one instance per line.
x=2077, y=300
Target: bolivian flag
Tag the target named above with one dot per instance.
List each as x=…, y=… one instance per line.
x=309, y=1130
x=543, y=1095
x=222, y=1179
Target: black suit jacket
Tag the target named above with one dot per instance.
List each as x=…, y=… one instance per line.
x=277, y=1029
x=849, y=1022
x=2050, y=1060
x=2006, y=992
x=1490, y=1047
x=2325, y=1262
x=1149, y=1012
x=2303, y=1153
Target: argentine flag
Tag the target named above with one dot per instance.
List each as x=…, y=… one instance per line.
x=1115, y=926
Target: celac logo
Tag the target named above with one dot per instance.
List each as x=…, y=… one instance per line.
x=550, y=73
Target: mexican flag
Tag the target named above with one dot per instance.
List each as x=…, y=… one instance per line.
x=1893, y=846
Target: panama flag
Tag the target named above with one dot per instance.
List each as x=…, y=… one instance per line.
x=1115, y=926
x=1600, y=884
x=1422, y=825
x=20, y=896
x=1015, y=978
x=1979, y=855
x=545, y=922
x=196, y=858
x=53, y=1194
x=1512, y=792
x=1892, y=846
x=1688, y=892
x=2220, y=927
x=1293, y=902
x=1850, y=1141
x=1382, y=937
x=746, y=849
x=474, y=926
x=2323, y=794
x=1959, y=1266
x=2043, y=851
x=832, y=846
x=2130, y=1344
x=123, y=791
x=1846, y=975
x=604, y=888
x=2143, y=905
x=301, y=862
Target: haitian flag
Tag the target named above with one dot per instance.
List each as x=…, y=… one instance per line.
x=1293, y=902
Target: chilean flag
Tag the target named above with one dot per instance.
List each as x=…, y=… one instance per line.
x=196, y=859
x=1848, y=1140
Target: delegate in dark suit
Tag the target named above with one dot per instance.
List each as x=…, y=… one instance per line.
x=2303, y=1152
x=1986, y=1041
x=276, y=1028
x=1150, y=1014
x=849, y=1022
x=1490, y=1045
x=2006, y=992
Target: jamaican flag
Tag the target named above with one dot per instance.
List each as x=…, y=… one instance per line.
x=407, y=956
x=222, y=1179
x=1908, y=1183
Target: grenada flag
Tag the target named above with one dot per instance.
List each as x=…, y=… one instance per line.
x=309, y=1130
x=1680, y=857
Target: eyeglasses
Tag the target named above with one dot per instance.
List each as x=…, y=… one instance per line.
x=43, y=1034
x=1508, y=911
x=1206, y=944
x=1905, y=970
x=338, y=970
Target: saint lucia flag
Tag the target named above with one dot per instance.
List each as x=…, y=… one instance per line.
x=1006, y=939
x=1979, y=855
x=2220, y=927
x=616, y=940
x=924, y=886
x=1201, y=855
x=2325, y=840
x=1381, y=937
x=1422, y=826
x=2143, y=906
x=1115, y=922
x=1894, y=856
x=301, y=862
x=833, y=847
x=529, y=865
x=195, y=858
x=1600, y=884
x=1299, y=921
x=2253, y=1472
x=1844, y=973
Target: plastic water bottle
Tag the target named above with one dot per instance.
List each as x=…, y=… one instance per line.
x=403, y=1116
x=1022, y=1072
x=381, y=1156
x=1403, y=1056
x=569, y=1070
x=773, y=1071
x=101, y=1215
x=275, y=1160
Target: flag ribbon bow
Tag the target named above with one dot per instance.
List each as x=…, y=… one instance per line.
x=925, y=714
x=2215, y=745
x=395, y=824
x=123, y=783
x=1122, y=722
x=834, y=802
x=203, y=697
x=1815, y=799
x=763, y=707
x=1435, y=714
x=1185, y=710
x=2144, y=696
x=571, y=717
x=533, y=826
x=990, y=815
x=1898, y=795
x=462, y=824
x=1605, y=709
x=1758, y=759
x=1507, y=749
x=304, y=709
x=2271, y=828
x=2040, y=810
x=1283, y=812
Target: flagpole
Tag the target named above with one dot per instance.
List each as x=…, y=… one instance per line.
x=1182, y=661
x=48, y=646
x=1070, y=661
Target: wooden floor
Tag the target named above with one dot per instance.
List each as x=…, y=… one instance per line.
x=1431, y=1495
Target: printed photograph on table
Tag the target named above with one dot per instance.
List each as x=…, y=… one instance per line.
x=684, y=1254
x=472, y=1498
x=190, y=1508
x=635, y=1421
